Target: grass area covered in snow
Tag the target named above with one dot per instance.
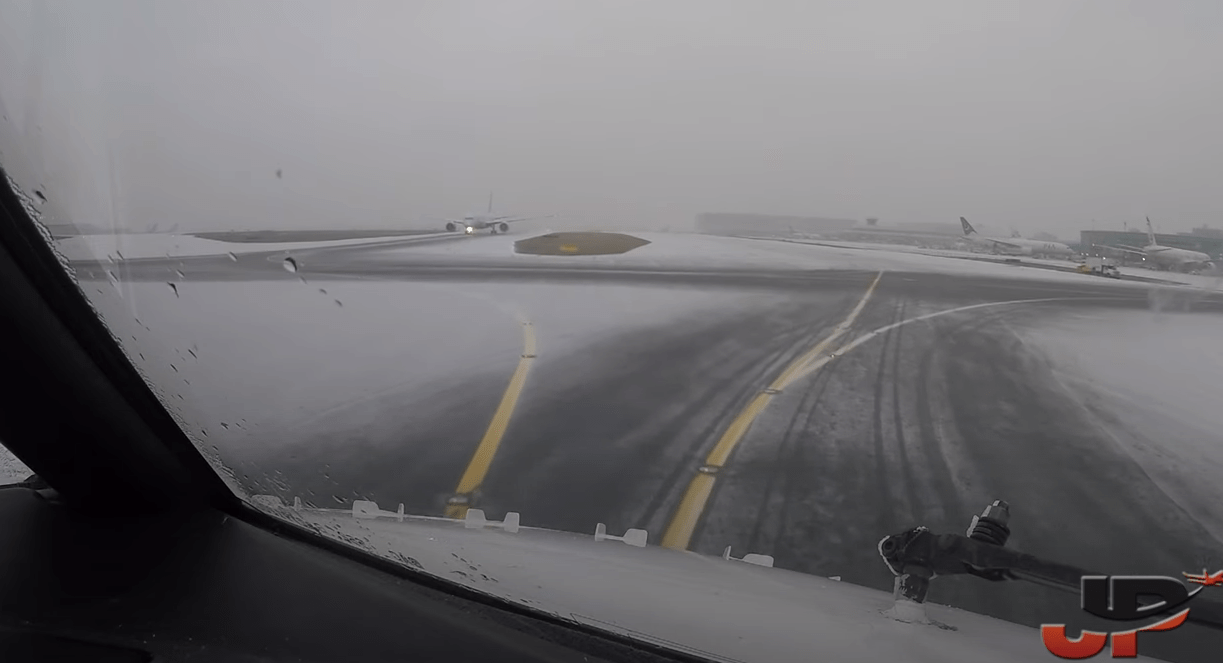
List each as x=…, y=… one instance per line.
x=291, y=236
x=133, y=246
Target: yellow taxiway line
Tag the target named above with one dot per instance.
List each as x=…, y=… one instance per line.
x=477, y=469
x=679, y=532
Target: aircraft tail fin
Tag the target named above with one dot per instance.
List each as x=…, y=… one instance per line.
x=1150, y=232
x=968, y=229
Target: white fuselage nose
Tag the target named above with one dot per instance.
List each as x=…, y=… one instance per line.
x=477, y=221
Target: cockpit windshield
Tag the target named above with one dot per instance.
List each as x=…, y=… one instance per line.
x=743, y=311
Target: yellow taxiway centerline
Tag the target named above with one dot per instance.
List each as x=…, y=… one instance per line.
x=679, y=532
x=477, y=469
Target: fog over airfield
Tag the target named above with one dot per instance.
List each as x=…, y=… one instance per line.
x=1039, y=115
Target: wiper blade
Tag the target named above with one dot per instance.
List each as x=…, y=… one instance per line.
x=918, y=555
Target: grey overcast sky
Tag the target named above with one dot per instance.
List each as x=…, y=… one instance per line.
x=1037, y=115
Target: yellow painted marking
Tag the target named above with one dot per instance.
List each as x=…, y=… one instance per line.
x=569, y=248
x=477, y=469
x=816, y=365
x=683, y=524
x=736, y=430
x=692, y=504
x=787, y=377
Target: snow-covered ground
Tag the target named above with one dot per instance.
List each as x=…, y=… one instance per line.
x=248, y=366
x=1153, y=381
x=159, y=245
x=664, y=250
x=908, y=248
x=1200, y=280
x=707, y=251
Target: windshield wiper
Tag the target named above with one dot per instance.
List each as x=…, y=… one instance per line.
x=918, y=555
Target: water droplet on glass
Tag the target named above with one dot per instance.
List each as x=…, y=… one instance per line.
x=180, y=273
x=337, y=499
x=174, y=367
x=224, y=425
x=339, y=303
x=120, y=255
x=233, y=257
x=303, y=279
x=204, y=432
x=322, y=291
x=290, y=265
x=173, y=289
x=43, y=198
x=192, y=353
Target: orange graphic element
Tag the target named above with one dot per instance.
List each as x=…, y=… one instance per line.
x=1090, y=643
x=1125, y=643
x=1215, y=578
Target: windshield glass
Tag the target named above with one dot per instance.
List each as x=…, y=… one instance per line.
x=778, y=283
x=12, y=470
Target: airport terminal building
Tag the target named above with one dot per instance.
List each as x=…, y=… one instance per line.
x=1092, y=239
x=720, y=223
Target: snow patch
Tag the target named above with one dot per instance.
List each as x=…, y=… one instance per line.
x=250, y=365
x=689, y=250
x=1159, y=376
x=157, y=245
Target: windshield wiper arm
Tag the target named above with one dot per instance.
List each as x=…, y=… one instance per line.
x=917, y=555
